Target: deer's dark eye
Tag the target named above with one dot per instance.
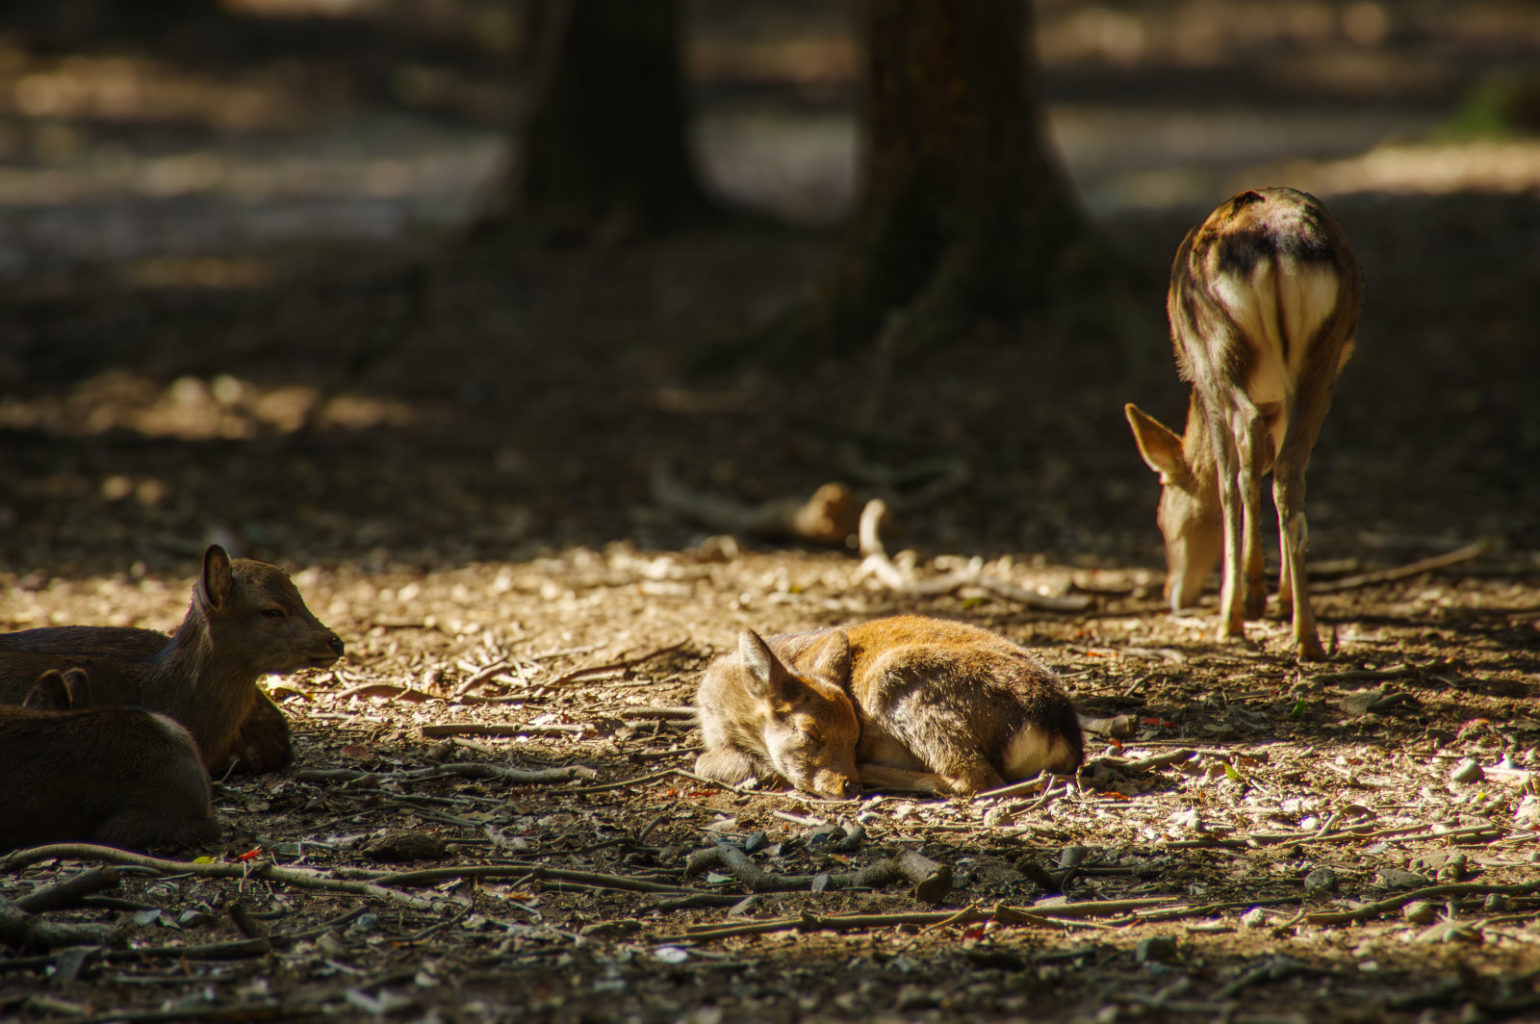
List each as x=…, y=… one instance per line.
x=273, y=613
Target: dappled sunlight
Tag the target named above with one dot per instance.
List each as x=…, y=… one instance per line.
x=191, y=408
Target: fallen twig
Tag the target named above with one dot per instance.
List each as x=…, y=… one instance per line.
x=428, y=876
x=484, y=729
x=1372, y=910
x=69, y=892
x=18, y=928
x=465, y=771
x=1094, y=908
x=971, y=914
x=593, y=670
x=876, y=563
x=483, y=676
x=1369, y=579
x=260, y=869
x=932, y=881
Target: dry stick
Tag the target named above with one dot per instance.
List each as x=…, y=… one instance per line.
x=378, y=689
x=1093, y=908
x=265, y=870
x=877, y=563
x=592, y=670
x=785, y=794
x=485, y=675
x=69, y=892
x=465, y=771
x=18, y=928
x=650, y=777
x=428, y=876
x=482, y=729
x=851, y=922
x=825, y=922
x=1369, y=579
x=1372, y=910
x=1145, y=764
x=932, y=881
x=1027, y=786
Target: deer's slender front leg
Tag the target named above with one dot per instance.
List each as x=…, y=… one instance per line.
x=1227, y=459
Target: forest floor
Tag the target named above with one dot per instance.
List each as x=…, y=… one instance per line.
x=457, y=455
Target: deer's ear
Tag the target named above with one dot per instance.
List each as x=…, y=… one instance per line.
x=1160, y=447
x=49, y=692
x=759, y=661
x=832, y=662
x=768, y=677
x=215, y=584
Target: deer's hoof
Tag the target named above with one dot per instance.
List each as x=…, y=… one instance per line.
x=1310, y=649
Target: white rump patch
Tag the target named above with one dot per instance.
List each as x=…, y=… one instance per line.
x=1289, y=295
x=1032, y=750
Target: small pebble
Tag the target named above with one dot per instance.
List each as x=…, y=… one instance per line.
x=1156, y=949
x=1467, y=771
x=1398, y=878
x=1420, y=912
x=1321, y=881
x=756, y=841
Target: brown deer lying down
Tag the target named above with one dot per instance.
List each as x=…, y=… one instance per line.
x=906, y=702
x=120, y=776
x=246, y=620
x=1264, y=307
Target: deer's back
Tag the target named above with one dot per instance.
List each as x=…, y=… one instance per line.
x=116, y=658
x=909, y=663
x=1265, y=291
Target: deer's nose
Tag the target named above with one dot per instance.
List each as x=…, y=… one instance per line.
x=851, y=789
x=335, y=643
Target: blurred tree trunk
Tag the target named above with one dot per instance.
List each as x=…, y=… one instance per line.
x=962, y=213
x=603, y=148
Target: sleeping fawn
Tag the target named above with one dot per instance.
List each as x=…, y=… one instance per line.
x=906, y=702
x=246, y=620
x=121, y=776
x=1263, y=304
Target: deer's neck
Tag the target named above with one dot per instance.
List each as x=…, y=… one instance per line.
x=203, y=686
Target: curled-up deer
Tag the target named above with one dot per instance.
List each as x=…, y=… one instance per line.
x=1263, y=304
x=121, y=776
x=246, y=620
x=906, y=702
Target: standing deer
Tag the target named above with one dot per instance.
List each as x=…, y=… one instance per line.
x=906, y=702
x=246, y=620
x=1263, y=304
x=121, y=776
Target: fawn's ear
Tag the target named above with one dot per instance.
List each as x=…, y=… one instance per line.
x=78, y=685
x=1160, y=447
x=833, y=660
x=48, y=693
x=759, y=662
x=215, y=584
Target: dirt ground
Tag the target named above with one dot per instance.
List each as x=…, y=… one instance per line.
x=456, y=453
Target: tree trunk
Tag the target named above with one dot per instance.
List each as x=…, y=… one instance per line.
x=604, y=146
x=962, y=213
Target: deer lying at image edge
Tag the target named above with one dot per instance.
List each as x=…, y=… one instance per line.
x=121, y=776
x=246, y=620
